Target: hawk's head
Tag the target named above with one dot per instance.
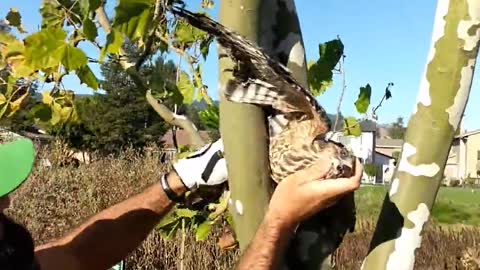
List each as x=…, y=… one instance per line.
x=343, y=161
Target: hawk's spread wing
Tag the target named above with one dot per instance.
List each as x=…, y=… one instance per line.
x=264, y=81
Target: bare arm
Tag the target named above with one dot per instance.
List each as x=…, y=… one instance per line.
x=110, y=235
x=268, y=245
x=296, y=198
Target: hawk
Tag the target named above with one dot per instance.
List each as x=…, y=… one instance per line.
x=261, y=80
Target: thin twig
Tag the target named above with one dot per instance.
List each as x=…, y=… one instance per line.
x=374, y=111
x=342, y=70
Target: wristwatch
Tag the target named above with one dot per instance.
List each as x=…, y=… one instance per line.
x=172, y=195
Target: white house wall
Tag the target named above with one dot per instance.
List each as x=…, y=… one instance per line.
x=361, y=146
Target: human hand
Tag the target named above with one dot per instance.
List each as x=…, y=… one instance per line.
x=306, y=192
x=207, y=166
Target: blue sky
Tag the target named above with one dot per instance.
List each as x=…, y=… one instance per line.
x=385, y=41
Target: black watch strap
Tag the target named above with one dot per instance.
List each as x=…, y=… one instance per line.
x=168, y=191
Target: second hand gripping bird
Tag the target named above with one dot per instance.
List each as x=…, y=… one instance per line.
x=261, y=80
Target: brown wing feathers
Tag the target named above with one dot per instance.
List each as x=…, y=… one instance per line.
x=268, y=82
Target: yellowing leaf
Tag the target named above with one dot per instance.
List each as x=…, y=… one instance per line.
x=10, y=84
x=87, y=77
x=15, y=105
x=352, y=127
x=207, y=4
x=47, y=98
x=56, y=114
x=45, y=49
x=73, y=58
x=12, y=53
x=2, y=99
x=186, y=88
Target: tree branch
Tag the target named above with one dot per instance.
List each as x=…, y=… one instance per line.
x=162, y=110
x=176, y=120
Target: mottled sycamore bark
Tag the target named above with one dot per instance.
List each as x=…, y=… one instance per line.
x=442, y=98
x=274, y=25
x=244, y=132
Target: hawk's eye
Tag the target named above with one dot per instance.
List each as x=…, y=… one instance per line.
x=343, y=153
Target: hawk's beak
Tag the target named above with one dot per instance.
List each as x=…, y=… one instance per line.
x=347, y=168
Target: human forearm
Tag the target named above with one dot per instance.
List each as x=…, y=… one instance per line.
x=110, y=235
x=268, y=245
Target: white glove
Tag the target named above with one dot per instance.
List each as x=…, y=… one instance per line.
x=206, y=166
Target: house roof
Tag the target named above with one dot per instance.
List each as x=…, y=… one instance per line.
x=383, y=153
x=391, y=143
x=182, y=137
x=368, y=126
x=467, y=134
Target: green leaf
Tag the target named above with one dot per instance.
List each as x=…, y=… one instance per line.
x=15, y=19
x=388, y=93
x=319, y=74
x=45, y=49
x=73, y=58
x=133, y=17
x=202, y=231
x=41, y=112
x=210, y=117
x=352, y=127
x=186, y=88
x=113, y=44
x=2, y=99
x=89, y=29
x=363, y=100
x=88, y=6
x=86, y=76
x=168, y=219
x=187, y=34
x=169, y=231
x=230, y=220
x=186, y=213
x=205, y=46
x=53, y=16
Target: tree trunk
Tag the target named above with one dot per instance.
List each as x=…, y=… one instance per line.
x=244, y=133
x=441, y=102
x=274, y=25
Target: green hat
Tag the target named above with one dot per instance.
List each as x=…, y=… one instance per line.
x=16, y=162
